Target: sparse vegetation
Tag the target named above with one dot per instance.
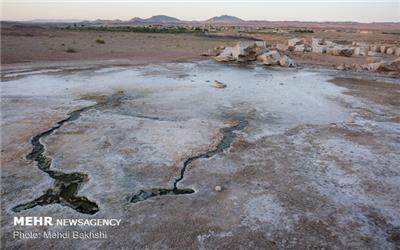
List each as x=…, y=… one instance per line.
x=141, y=29
x=100, y=41
x=71, y=50
x=303, y=31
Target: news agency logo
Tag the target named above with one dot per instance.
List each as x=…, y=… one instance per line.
x=33, y=221
x=49, y=221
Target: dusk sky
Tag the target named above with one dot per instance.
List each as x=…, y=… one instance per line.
x=323, y=10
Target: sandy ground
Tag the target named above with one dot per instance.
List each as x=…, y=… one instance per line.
x=44, y=45
x=30, y=48
x=315, y=166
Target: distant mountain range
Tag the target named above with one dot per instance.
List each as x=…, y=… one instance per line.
x=161, y=19
x=224, y=20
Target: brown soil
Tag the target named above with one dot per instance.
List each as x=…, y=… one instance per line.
x=39, y=47
x=384, y=93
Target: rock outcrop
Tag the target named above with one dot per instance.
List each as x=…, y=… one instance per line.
x=390, y=51
x=397, y=52
x=225, y=55
x=317, y=45
x=339, y=50
x=286, y=61
x=242, y=52
x=360, y=51
x=295, y=41
x=270, y=58
x=252, y=51
x=273, y=57
x=300, y=48
x=384, y=66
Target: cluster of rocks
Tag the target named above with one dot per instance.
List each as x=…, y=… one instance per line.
x=319, y=45
x=380, y=57
x=249, y=51
x=363, y=49
x=383, y=66
x=254, y=51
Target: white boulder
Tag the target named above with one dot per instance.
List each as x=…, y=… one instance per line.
x=269, y=58
x=242, y=52
x=295, y=41
x=390, y=51
x=385, y=66
x=225, y=55
x=285, y=61
x=375, y=48
x=299, y=48
x=397, y=52
x=317, y=45
x=340, y=51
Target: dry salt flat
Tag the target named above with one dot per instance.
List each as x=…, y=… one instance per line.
x=298, y=161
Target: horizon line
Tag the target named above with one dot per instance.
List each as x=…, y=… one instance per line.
x=60, y=20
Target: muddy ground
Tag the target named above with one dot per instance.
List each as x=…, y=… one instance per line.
x=305, y=159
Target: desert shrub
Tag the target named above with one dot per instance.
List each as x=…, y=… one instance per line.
x=100, y=41
x=71, y=50
x=140, y=29
x=303, y=31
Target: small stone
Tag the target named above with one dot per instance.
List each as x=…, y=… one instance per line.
x=219, y=85
x=218, y=188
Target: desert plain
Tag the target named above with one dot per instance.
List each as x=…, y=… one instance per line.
x=192, y=153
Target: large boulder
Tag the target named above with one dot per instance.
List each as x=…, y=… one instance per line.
x=295, y=41
x=269, y=58
x=375, y=48
x=319, y=48
x=330, y=43
x=285, y=61
x=390, y=51
x=242, y=52
x=317, y=41
x=360, y=51
x=317, y=45
x=383, y=49
x=385, y=66
x=225, y=55
x=339, y=50
x=364, y=51
x=299, y=48
x=397, y=52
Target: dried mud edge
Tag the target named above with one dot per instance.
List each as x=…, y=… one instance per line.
x=66, y=185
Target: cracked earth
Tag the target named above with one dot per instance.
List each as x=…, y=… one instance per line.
x=303, y=158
